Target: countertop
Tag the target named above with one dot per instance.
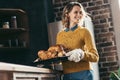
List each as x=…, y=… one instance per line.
x=23, y=68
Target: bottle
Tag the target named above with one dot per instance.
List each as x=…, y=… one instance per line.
x=9, y=43
x=6, y=25
x=13, y=22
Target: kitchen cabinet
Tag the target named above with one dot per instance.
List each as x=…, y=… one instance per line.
x=14, y=39
x=16, y=35
x=20, y=72
x=26, y=76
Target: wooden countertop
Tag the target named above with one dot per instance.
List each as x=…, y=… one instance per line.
x=22, y=68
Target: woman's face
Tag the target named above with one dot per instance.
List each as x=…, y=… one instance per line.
x=75, y=15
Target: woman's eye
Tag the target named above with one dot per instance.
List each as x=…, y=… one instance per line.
x=80, y=12
x=76, y=12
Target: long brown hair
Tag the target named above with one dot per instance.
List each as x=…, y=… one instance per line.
x=67, y=9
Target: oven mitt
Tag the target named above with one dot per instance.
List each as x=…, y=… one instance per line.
x=75, y=55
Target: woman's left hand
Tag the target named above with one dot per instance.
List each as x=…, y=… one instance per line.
x=75, y=55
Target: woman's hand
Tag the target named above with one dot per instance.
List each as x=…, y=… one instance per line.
x=75, y=55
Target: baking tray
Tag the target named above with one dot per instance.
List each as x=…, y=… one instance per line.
x=52, y=60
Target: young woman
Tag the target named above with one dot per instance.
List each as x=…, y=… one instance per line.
x=78, y=39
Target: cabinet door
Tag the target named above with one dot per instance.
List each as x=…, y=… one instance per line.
x=26, y=76
x=33, y=76
x=48, y=78
x=5, y=75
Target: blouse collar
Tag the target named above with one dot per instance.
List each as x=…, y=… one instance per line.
x=71, y=29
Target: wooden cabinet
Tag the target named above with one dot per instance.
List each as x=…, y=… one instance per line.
x=27, y=76
x=14, y=40
x=21, y=72
x=14, y=36
x=33, y=76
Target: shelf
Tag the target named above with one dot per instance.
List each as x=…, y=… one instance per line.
x=13, y=48
x=12, y=11
x=11, y=31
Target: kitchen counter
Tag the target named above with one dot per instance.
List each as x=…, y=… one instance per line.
x=22, y=68
x=10, y=71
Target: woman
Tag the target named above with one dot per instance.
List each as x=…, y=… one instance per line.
x=78, y=39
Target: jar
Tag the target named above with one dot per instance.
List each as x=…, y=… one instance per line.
x=6, y=25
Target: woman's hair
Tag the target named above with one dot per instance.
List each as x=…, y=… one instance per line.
x=67, y=9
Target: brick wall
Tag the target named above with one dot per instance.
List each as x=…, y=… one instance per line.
x=104, y=32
